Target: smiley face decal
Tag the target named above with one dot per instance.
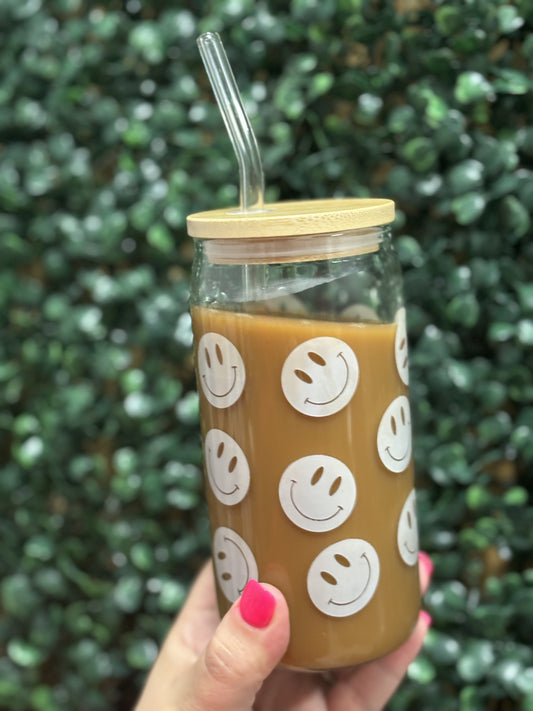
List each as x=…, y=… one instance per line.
x=227, y=468
x=317, y=492
x=394, y=435
x=343, y=578
x=408, y=531
x=220, y=370
x=320, y=376
x=401, y=348
x=234, y=562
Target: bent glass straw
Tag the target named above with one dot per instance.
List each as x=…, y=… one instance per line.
x=222, y=79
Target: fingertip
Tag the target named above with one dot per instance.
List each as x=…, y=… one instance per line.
x=264, y=614
x=426, y=563
x=248, y=644
x=257, y=604
x=426, y=618
x=426, y=568
x=281, y=603
x=259, y=619
x=263, y=606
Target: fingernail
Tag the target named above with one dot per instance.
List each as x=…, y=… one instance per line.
x=426, y=562
x=256, y=604
x=426, y=618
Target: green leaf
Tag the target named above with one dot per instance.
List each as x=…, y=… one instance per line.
x=420, y=154
x=525, y=681
x=464, y=309
x=421, y=670
x=472, y=86
x=469, y=207
x=449, y=20
x=24, y=654
x=476, y=660
x=160, y=238
x=320, y=84
x=128, y=593
x=509, y=19
x=141, y=654
x=465, y=177
x=512, y=81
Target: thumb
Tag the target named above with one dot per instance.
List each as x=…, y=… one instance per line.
x=247, y=645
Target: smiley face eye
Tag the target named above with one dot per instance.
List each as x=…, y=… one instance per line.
x=207, y=358
x=226, y=576
x=328, y=577
x=220, y=449
x=221, y=555
x=402, y=412
x=335, y=486
x=341, y=560
x=232, y=464
x=409, y=519
x=302, y=375
x=316, y=358
x=316, y=476
x=393, y=424
x=218, y=351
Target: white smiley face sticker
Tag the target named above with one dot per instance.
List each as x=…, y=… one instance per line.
x=317, y=492
x=220, y=369
x=234, y=562
x=343, y=578
x=227, y=468
x=408, y=531
x=320, y=376
x=394, y=435
x=401, y=347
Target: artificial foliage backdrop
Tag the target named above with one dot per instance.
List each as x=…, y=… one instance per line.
x=109, y=136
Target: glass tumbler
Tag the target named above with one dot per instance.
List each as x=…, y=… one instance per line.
x=302, y=368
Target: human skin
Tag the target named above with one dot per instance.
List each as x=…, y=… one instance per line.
x=208, y=664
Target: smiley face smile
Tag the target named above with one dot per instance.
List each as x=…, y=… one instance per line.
x=213, y=393
x=338, y=395
x=226, y=493
x=226, y=464
x=394, y=435
x=407, y=536
x=400, y=459
x=247, y=576
x=326, y=518
x=320, y=376
x=317, y=492
x=343, y=577
x=220, y=369
x=234, y=561
x=350, y=602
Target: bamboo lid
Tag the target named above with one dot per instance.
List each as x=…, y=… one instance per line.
x=303, y=217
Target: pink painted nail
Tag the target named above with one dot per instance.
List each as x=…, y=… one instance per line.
x=426, y=618
x=426, y=562
x=256, y=604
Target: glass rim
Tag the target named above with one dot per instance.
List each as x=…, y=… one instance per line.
x=295, y=248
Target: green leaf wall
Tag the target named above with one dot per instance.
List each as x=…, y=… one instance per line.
x=109, y=137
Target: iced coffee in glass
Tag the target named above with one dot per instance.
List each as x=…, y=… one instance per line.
x=302, y=369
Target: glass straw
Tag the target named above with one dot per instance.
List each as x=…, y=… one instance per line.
x=222, y=79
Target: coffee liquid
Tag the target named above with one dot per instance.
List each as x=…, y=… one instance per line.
x=309, y=476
